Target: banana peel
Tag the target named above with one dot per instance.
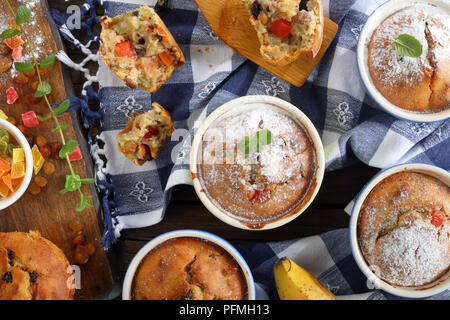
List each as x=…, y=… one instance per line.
x=295, y=283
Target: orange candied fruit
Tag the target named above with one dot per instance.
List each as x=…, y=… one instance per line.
x=4, y=190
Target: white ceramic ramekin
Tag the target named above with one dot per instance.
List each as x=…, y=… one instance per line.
x=20, y=138
x=292, y=111
x=129, y=276
x=372, y=23
x=430, y=289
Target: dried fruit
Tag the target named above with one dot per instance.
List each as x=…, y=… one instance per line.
x=79, y=239
x=17, y=53
x=76, y=226
x=40, y=181
x=56, y=147
x=41, y=141
x=49, y=168
x=5, y=64
x=11, y=95
x=35, y=85
x=4, y=49
x=34, y=189
x=14, y=42
x=21, y=79
x=31, y=100
x=46, y=151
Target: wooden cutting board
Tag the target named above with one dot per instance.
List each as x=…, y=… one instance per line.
x=50, y=212
x=229, y=19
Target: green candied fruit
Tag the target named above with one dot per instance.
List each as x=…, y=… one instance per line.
x=10, y=149
x=3, y=147
x=4, y=135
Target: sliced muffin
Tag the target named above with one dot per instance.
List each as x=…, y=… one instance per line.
x=145, y=135
x=287, y=29
x=139, y=49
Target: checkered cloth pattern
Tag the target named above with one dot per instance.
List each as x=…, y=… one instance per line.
x=353, y=128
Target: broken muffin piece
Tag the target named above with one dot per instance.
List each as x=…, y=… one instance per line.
x=139, y=49
x=287, y=29
x=145, y=135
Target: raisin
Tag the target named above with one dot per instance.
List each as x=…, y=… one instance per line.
x=41, y=141
x=5, y=64
x=151, y=132
x=46, y=151
x=135, y=13
x=21, y=79
x=79, y=239
x=140, y=52
x=41, y=182
x=49, y=168
x=7, y=277
x=302, y=5
x=33, y=276
x=10, y=255
x=76, y=226
x=159, y=37
x=56, y=147
x=30, y=74
x=34, y=189
x=4, y=49
x=256, y=9
x=30, y=99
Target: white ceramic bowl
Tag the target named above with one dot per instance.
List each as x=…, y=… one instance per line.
x=433, y=288
x=362, y=55
x=22, y=141
x=129, y=276
x=293, y=112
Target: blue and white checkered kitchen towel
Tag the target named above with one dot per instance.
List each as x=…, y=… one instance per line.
x=353, y=128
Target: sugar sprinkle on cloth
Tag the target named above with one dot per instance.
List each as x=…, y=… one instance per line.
x=353, y=128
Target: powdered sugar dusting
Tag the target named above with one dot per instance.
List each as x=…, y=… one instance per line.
x=277, y=175
x=393, y=66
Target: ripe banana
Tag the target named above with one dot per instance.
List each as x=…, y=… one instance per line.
x=295, y=283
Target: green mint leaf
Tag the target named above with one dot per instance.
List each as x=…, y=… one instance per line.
x=43, y=89
x=48, y=62
x=248, y=145
x=23, y=67
x=9, y=33
x=63, y=107
x=84, y=203
x=264, y=137
x=23, y=15
x=407, y=45
x=68, y=148
x=64, y=127
x=43, y=118
x=72, y=183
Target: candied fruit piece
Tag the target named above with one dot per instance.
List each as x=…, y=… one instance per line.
x=29, y=119
x=3, y=115
x=38, y=159
x=11, y=95
x=49, y=168
x=7, y=180
x=40, y=181
x=17, y=53
x=14, y=42
x=18, y=155
x=18, y=170
x=76, y=154
x=34, y=189
x=4, y=190
x=4, y=167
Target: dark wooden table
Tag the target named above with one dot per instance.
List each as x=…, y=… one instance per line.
x=186, y=211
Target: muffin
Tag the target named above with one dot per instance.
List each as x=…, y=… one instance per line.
x=403, y=232
x=145, y=135
x=32, y=268
x=287, y=29
x=139, y=49
x=257, y=166
x=420, y=84
x=189, y=268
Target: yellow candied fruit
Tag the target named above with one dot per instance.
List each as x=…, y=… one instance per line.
x=4, y=190
x=38, y=159
x=3, y=115
x=18, y=170
x=18, y=155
